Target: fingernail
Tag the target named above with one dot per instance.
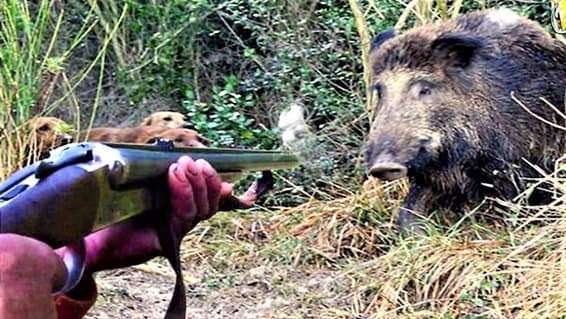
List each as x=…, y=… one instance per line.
x=208, y=170
x=192, y=168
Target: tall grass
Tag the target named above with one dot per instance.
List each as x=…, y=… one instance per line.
x=426, y=11
x=27, y=72
x=510, y=266
x=34, y=51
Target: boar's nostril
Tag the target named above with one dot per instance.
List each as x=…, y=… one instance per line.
x=388, y=171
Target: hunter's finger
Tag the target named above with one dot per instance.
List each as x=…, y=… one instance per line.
x=226, y=190
x=254, y=192
x=214, y=187
x=35, y=262
x=227, y=200
x=233, y=202
x=195, y=175
x=182, y=199
x=258, y=188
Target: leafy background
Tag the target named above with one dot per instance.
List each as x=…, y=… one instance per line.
x=233, y=66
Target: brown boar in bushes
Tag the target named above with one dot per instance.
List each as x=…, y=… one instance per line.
x=447, y=115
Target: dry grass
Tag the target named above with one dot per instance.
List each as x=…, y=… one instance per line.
x=354, y=226
x=20, y=147
x=426, y=11
x=511, y=267
x=34, y=80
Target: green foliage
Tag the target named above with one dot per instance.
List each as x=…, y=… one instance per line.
x=222, y=120
x=159, y=41
x=34, y=53
x=23, y=56
x=233, y=66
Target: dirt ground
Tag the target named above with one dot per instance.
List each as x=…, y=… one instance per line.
x=254, y=291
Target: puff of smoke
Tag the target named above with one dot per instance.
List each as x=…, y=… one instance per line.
x=294, y=128
x=298, y=138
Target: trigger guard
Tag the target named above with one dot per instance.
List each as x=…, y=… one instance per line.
x=74, y=258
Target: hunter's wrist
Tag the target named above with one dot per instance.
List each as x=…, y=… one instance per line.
x=121, y=246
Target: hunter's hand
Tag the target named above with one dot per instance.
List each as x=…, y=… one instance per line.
x=196, y=194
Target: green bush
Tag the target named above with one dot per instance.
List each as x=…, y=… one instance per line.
x=232, y=66
x=222, y=121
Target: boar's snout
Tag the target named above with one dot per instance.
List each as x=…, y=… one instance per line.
x=388, y=170
x=394, y=156
x=381, y=162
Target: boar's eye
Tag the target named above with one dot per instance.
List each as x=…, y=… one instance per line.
x=421, y=89
x=424, y=91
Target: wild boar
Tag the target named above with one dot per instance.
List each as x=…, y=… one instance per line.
x=447, y=115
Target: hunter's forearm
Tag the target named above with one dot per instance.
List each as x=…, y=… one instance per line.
x=120, y=245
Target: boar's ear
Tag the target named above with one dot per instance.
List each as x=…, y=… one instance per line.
x=379, y=39
x=455, y=49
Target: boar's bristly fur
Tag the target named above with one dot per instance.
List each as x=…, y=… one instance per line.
x=446, y=114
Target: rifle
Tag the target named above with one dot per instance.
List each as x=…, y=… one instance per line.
x=83, y=187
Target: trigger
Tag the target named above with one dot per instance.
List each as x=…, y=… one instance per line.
x=74, y=257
